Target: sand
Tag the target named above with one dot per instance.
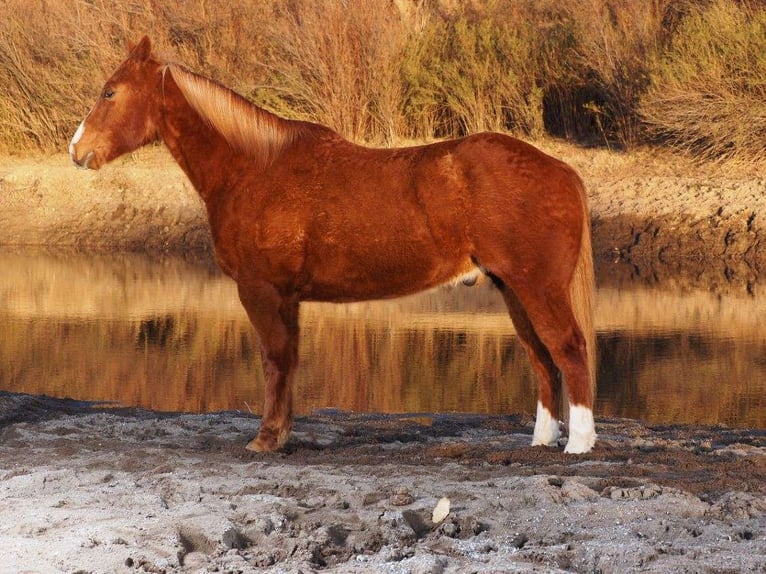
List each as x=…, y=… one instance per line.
x=92, y=490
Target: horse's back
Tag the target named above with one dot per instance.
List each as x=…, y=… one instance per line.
x=497, y=177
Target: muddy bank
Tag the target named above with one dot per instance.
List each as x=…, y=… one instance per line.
x=132, y=205
x=706, y=230
x=655, y=216
x=93, y=490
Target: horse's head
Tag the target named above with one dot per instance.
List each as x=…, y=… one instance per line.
x=125, y=116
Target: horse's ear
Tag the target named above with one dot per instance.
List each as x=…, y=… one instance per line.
x=142, y=50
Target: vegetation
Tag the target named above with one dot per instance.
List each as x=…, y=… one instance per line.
x=690, y=74
x=708, y=88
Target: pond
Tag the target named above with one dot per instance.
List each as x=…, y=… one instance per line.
x=169, y=334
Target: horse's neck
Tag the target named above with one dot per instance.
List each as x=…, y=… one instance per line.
x=201, y=152
x=209, y=160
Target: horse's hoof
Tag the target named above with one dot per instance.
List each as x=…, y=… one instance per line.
x=259, y=444
x=269, y=441
x=582, y=432
x=579, y=447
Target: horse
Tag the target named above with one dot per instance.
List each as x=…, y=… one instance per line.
x=298, y=213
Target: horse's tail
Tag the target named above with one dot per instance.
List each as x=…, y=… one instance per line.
x=582, y=291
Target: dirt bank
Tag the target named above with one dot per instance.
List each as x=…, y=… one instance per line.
x=87, y=490
x=660, y=216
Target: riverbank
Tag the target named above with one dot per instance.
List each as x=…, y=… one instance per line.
x=659, y=215
x=94, y=490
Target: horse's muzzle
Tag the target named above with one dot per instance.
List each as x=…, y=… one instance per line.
x=83, y=163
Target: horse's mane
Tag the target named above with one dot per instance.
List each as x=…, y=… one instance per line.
x=246, y=127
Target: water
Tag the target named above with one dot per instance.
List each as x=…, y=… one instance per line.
x=170, y=335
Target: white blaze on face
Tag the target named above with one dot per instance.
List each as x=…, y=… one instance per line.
x=582, y=430
x=76, y=138
x=546, y=428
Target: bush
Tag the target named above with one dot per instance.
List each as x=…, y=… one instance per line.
x=615, y=40
x=54, y=56
x=46, y=67
x=336, y=63
x=471, y=73
x=708, y=90
x=687, y=73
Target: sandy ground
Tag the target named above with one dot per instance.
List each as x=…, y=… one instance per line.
x=84, y=489
x=91, y=490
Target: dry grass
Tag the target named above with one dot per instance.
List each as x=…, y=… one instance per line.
x=596, y=71
x=337, y=63
x=708, y=89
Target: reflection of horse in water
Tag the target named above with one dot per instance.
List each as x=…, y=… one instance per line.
x=298, y=213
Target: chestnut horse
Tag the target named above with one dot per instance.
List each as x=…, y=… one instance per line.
x=298, y=213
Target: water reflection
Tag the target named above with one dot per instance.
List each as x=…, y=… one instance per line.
x=168, y=334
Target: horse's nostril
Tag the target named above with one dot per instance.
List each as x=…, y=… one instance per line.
x=84, y=162
x=88, y=159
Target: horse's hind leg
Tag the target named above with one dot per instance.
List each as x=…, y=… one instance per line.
x=275, y=319
x=551, y=315
x=543, y=316
x=548, y=375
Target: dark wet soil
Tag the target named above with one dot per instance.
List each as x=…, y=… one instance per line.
x=705, y=461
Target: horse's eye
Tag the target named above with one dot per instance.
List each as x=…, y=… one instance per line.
x=108, y=94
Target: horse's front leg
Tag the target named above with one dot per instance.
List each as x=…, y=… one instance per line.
x=275, y=319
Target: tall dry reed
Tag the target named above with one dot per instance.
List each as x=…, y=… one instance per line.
x=708, y=88
x=687, y=73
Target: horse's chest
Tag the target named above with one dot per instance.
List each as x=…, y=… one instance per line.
x=270, y=248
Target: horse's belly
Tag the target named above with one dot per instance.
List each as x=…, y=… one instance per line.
x=373, y=279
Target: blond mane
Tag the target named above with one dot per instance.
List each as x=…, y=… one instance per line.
x=247, y=128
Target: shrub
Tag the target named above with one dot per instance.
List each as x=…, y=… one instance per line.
x=687, y=73
x=474, y=72
x=54, y=56
x=336, y=63
x=46, y=68
x=614, y=42
x=708, y=90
